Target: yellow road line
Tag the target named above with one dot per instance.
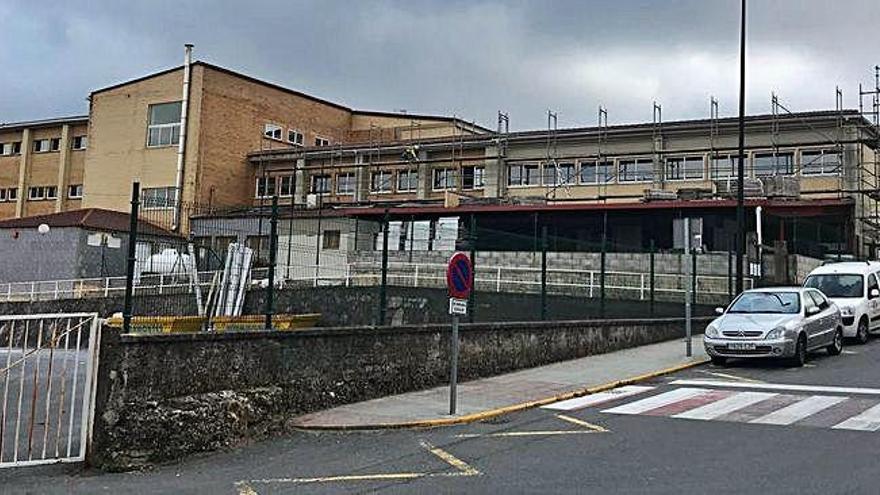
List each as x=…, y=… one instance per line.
x=581, y=422
x=450, y=459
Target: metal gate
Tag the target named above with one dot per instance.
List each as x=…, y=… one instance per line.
x=47, y=387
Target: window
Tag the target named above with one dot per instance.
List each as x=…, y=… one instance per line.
x=444, y=178
x=79, y=142
x=684, y=167
x=597, y=172
x=37, y=193
x=345, y=183
x=820, y=162
x=319, y=141
x=819, y=299
x=837, y=285
x=41, y=145
x=638, y=170
x=524, y=175
x=320, y=184
x=472, y=178
x=12, y=194
x=272, y=131
x=285, y=186
x=54, y=144
x=770, y=164
x=380, y=182
x=75, y=191
x=407, y=180
x=562, y=173
x=295, y=137
x=265, y=187
x=2, y=195
x=723, y=167
x=5, y=149
x=331, y=239
x=164, y=124
x=159, y=197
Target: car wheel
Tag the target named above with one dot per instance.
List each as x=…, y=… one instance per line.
x=862, y=331
x=719, y=360
x=836, y=346
x=800, y=352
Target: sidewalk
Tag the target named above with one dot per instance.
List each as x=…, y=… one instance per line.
x=487, y=397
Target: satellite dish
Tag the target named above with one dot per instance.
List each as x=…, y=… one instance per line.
x=43, y=229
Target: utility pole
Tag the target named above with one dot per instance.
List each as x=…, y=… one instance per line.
x=740, y=169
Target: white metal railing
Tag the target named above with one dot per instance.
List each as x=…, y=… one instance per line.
x=497, y=278
x=47, y=367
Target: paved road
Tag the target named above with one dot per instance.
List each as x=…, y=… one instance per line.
x=745, y=428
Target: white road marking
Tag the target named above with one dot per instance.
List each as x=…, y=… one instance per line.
x=799, y=410
x=599, y=398
x=640, y=406
x=867, y=421
x=851, y=353
x=779, y=386
x=730, y=377
x=726, y=405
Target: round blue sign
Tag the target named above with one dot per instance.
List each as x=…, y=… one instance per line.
x=459, y=276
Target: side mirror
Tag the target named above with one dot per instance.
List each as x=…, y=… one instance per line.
x=719, y=310
x=812, y=310
x=874, y=293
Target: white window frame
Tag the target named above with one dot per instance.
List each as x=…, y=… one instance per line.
x=54, y=144
x=523, y=167
x=78, y=189
x=481, y=175
x=321, y=141
x=638, y=161
x=51, y=192
x=313, y=179
x=409, y=172
x=268, y=179
x=170, y=193
x=449, y=173
x=388, y=182
x=298, y=138
x=160, y=127
x=6, y=149
x=556, y=181
x=684, y=175
x=339, y=182
x=39, y=145
x=608, y=164
x=83, y=142
x=752, y=170
x=836, y=170
x=732, y=160
x=281, y=180
x=11, y=194
x=2, y=195
x=270, y=129
x=42, y=193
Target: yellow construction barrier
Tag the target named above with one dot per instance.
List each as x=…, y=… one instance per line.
x=189, y=324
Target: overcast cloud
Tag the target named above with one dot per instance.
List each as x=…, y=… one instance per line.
x=468, y=58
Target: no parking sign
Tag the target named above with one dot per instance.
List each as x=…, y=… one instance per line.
x=459, y=278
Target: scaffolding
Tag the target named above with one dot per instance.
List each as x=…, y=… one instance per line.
x=601, y=140
x=657, y=146
x=869, y=169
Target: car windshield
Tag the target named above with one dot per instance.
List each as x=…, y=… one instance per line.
x=767, y=302
x=837, y=285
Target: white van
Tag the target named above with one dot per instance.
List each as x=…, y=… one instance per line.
x=854, y=286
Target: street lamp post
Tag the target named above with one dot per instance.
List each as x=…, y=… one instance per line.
x=740, y=169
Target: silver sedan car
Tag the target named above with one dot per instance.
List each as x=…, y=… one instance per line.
x=780, y=322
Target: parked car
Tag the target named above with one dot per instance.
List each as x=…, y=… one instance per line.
x=783, y=322
x=855, y=288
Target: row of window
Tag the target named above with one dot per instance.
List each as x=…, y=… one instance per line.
x=812, y=162
x=294, y=136
x=381, y=182
x=44, y=145
x=39, y=193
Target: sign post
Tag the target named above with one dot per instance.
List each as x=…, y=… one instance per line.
x=459, y=285
x=688, y=288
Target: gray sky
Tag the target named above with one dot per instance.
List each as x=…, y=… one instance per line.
x=464, y=57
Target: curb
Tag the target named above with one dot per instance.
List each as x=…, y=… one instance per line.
x=491, y=413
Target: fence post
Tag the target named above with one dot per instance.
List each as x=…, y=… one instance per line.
x=132, y=256
x=694, y=275
x=383, y=286
x=498, y=280
x=651, y=273
x=416, y=276
x=544, y=273
x=472, y=297
x=602, y=280
x=273, y=246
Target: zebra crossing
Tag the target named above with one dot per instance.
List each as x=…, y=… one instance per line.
x=838, y=408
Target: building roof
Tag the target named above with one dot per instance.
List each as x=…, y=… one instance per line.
x=289, y=91
x=88, y=218
x=76, y=119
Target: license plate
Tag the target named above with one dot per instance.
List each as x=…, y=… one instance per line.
x=740, y=346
